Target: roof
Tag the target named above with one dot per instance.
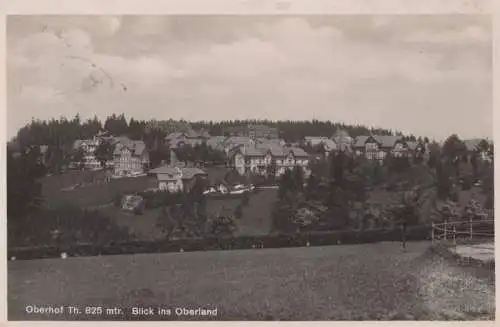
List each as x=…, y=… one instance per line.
x=197, y=134
x=315, y=138
x=191, y=134
x=385, y=141
x=137, y=147
x=260, y=150
x=360, y=141
x=343, y=140
x=215, y=141
x=173, y=136
x=321, y=139
x=237, y=139
x=192, y=142
x=472, y=144
x=412, y=145
x=78, y=143
x=342, y=134
x=167, y=172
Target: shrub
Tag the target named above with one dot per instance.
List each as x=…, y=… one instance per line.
x=117, y=199
x=226, y=241
x=238, y=212
x=467, y=183
x=66, y=226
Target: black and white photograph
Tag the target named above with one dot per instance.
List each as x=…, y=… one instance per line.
x=219, y=167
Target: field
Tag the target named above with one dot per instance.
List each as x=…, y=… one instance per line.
x=256, y=219
x=351, y=282
x=142, y=226
x=91, y=195
x=100, y=193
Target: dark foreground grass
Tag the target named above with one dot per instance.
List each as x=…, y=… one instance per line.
x=352, y=282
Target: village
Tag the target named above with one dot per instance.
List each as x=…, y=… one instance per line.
x=240, y=173
x=255, y=150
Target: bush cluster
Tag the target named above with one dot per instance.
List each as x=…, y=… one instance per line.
x=227, y=243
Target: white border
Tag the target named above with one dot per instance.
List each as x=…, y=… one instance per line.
x=233, y=7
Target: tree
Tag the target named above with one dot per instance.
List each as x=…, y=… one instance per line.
x=91, y=127
x=338, y=164
x=104, y=152
x=286, y=184
x=116, y=125
x=312, y=187
x=159, y=154
x=483, y=146
x=298, y=178
x=444, y=183
x=434, y=155
x=453, y=148
x=238, y=212
x=24, y=192
x=222, y=225
x=271, y=171
x=135, y=130
x=78, y=157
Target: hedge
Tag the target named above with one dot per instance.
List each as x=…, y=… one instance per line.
x=224, y=243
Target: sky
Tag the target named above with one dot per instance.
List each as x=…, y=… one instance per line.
x=430, y=75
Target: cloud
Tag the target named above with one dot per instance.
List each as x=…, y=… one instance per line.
x=466, y=35
x=280, y=68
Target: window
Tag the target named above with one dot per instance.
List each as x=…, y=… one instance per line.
x=371, y=146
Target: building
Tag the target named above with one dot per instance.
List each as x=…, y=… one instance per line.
x=482, y=147
x=177, y=178
x=232, y=142
x=216, y=142
x=192, y=138
x=89, y=147
x=329, y=145
x=253, y=131
x=376, y=147
x=343, y=141
x=263, y=159
x=130, y=157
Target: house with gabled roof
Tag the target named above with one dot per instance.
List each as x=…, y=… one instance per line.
x=130, y=157
x=343, y=140
x=177, y=178
x=259, y=158
x=376, y=147
x=190, y=137
x=89, y=147
x=328, y=145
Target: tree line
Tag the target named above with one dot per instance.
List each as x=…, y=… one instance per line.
x=63, y=131
x=340, y=183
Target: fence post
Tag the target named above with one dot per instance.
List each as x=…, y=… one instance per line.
x=470, y=232
x=432, y=233
x=445, y=229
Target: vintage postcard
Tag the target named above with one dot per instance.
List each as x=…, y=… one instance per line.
x=223, y=167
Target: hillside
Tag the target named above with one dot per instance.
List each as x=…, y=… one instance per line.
x=374, y=281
